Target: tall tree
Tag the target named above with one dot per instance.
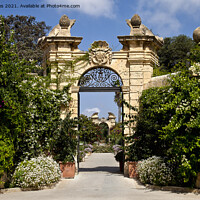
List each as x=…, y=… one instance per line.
x=89, y=131
x=26, y=32
x=118, y=100
x=174, y=50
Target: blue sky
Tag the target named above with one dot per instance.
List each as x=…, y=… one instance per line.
x=105, y=20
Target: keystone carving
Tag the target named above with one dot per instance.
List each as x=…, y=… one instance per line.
x=100, y=53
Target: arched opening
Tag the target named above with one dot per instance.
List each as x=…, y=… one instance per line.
x=101, y=77
x=101, y=82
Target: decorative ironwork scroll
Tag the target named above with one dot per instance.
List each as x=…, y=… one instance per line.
x=100, y=77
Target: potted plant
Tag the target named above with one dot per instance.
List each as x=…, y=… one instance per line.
x=132, y=167
x=120, y=158
x=67, y=167
x=64, y=145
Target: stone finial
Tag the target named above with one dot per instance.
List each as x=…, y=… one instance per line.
x=63, y=28
x=111, y=115
x=64, y=22
x=135, y=24
x=136, y=21
x=95, y=115
x=196, y=35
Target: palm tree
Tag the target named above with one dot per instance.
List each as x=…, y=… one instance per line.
x=118, y=101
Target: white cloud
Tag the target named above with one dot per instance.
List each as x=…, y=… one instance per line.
x=90, y=111
x=95, y=8
x=166, y=16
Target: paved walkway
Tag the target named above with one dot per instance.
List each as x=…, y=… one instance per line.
x=99, y=178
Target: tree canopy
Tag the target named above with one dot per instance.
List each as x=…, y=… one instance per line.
x=174, y=50
x=25, y=32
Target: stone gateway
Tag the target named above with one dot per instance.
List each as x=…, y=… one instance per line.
x=133, y=64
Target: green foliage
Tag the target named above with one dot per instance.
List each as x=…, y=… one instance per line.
x=64, y=142
x=29, y=112
x=6, y=155
x=43, y=118
x=168, y=126
x=88, y=130
x=159, y=70
x=146, y=141
x=181, y=132
x=26, y=32
x=195, y=54
x=103, y=128
x=115, y=136
x=174, y=50
x=13, y=101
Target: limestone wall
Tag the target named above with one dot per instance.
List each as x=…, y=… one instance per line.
x=158, y=81
x=133, y=63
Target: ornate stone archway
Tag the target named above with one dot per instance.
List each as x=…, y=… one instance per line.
x=133, y=63
x=110, y=121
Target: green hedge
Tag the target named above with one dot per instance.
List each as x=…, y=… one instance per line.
x=29, y=111
x=168, y=126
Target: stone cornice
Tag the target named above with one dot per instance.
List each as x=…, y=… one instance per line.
x=56, y=39
x=139, y=61
x=127, y=39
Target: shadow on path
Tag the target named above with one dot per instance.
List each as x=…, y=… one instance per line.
x=113, y=170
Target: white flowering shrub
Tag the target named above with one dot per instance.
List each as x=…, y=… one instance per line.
x=154, y=171
x=36, y=173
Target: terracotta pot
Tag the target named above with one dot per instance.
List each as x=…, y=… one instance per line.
x=132, y=169
x=68, y=169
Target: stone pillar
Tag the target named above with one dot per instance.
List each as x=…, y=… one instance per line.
x=126, y=113
x=111, y=119
x=74, y=102
x=126, y=110
x=58, y=48
x=141, y=46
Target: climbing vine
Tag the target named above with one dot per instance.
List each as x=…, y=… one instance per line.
x=29, y=111
x=167, y=124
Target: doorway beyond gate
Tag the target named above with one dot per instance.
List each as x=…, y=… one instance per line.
x=100, y=80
